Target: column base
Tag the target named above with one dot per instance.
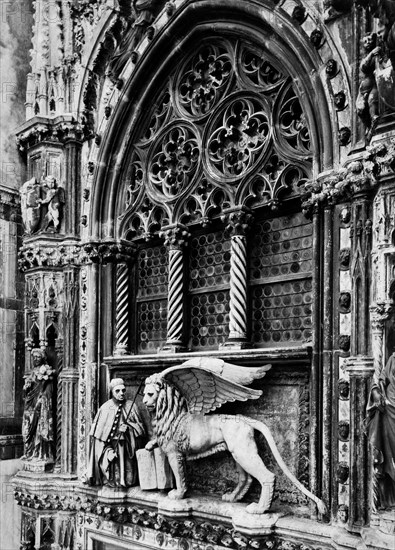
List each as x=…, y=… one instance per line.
x=35, y=465
x=120, y=350
x=235, y=344
x=172, y=348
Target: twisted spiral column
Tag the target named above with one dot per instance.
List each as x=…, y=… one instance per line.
x=59, y=407
x=238, y=288
x=122, y=309
x=176, y=295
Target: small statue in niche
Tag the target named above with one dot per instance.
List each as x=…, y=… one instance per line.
x=37, y=424
x=115, y=435
x=342, y=513
x=367, y=103
x=380, y=429
x=143, y=18
x=41, y=205
x=180, y=398
x=31, y=211
x=52, y=203
x=335, y=8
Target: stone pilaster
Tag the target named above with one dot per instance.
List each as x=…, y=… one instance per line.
x=327, y=358
x=72, y=152
x=360, y=371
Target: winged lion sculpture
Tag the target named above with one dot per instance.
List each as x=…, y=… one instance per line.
x=179, y=399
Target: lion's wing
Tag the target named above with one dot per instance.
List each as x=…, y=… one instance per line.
x=205, y=390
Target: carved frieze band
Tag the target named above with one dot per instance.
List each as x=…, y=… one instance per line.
x=45, y=255
x=357, y=176
x=141, y=524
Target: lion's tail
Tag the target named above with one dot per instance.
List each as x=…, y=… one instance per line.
x=261, y=427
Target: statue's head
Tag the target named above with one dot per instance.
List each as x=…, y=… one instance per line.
x=50, y=181
x=38, y=357
x=118, y=389
x=370, y=41
x=153, y=385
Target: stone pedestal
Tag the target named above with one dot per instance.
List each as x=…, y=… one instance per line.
x=255, y=524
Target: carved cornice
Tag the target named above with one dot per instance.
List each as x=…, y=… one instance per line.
x=9, y=196
x=93, y=512
x=337, y=187
x=42, y=129
x=57, y=254
x=356, y=177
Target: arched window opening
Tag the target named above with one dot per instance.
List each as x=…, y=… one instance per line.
x=211, y=193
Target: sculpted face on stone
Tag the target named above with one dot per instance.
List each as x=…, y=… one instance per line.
x=119, y=392
x=114, y=434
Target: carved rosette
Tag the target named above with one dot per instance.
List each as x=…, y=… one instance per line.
x=175, y=239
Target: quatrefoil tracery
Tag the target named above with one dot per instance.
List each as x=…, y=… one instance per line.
x=227, y=117
x=173, y=166
x=235, y=145
x=204, y=82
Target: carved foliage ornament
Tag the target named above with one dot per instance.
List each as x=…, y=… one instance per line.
x=226, y=112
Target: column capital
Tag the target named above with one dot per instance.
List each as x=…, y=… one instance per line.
x=238, y=220
x=359, y=367
x=176, y=236
x=380, y=312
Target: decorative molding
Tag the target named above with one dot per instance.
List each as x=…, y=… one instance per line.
x=96, y=514
x=59, y=254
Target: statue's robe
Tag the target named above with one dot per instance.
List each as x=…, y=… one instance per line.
x=112, y=453
x=380, y=429
x=37, y=425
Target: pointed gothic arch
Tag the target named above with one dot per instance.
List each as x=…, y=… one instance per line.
x=274, y=33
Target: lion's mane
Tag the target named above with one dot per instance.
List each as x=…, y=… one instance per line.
x=171, y=407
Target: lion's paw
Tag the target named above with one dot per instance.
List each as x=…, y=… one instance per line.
x=175, y=494
x=255, y=508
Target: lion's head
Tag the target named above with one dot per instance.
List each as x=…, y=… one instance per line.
x=166, y=402
x=153, y=386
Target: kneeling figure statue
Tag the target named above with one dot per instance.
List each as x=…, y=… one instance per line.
x=180, y=397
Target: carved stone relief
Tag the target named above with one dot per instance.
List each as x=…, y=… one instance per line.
x=203, y=132
x=42, y=205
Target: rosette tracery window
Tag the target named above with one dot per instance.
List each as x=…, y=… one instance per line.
x=216, y=162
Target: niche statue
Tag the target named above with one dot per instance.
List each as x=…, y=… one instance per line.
x=115, y=432
x=180, y=398
x=380, y=429
x=41, y=205
x=368, y=98
x=37, y=424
